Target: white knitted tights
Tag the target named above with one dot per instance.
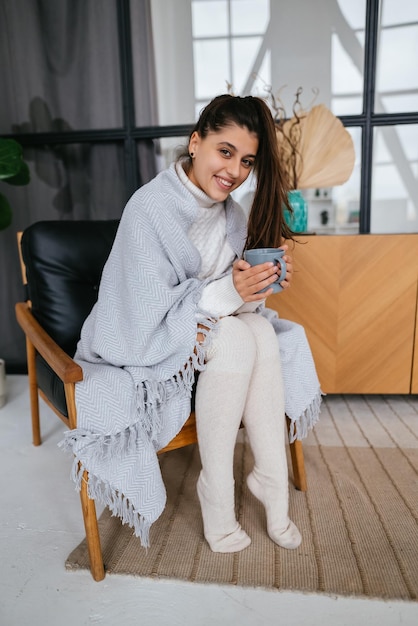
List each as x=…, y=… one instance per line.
x=242, y=381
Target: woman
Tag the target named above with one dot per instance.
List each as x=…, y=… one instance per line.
x=176, y=297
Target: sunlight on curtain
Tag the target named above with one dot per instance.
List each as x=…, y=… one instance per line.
x=64, y=54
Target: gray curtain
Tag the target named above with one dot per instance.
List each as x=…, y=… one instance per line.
x=61, y=71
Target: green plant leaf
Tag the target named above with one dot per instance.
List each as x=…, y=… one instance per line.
x=11, y=158
x=5, y=213
x=21, y=178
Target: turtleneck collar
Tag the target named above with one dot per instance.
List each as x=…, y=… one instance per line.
x=202, y=198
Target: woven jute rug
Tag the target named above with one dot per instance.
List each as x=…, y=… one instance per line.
x=358, y=518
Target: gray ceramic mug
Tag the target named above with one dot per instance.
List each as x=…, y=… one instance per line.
x=263, y=255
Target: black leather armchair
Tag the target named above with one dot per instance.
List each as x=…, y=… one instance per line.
x=62, y=264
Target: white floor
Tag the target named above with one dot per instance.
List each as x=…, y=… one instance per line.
x=40, y=522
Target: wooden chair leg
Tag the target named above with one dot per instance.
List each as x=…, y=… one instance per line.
x=88, y=506
x=298, y=463
x=92, y=532
x=33, y=393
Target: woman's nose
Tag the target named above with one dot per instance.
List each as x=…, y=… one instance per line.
x=233, y=168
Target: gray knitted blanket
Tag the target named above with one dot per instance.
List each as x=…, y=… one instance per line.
x=139, y=353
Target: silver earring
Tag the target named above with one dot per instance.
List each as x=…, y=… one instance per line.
x=191, y=155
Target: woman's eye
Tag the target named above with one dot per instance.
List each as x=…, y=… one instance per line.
x=225, y=152
x=248, y=163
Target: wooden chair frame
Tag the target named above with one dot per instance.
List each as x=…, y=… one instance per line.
x=38, y=341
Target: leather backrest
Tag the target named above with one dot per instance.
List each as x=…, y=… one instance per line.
x=64, y=263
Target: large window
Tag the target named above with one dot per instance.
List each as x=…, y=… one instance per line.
x=228, y=46
x=136, y=73
x=394, y=198
x=397, y=58
x=358, y=57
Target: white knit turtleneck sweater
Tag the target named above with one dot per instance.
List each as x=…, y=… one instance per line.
x=208, y=234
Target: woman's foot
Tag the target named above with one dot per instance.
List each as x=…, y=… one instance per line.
x=284, y=533
x=221, y=529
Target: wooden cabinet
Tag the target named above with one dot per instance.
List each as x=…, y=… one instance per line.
x=356, y=296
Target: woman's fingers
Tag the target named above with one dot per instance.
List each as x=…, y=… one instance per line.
x=249, y=280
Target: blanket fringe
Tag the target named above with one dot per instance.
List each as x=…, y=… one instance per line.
x=118, y=504
x=153, y=395
x=300, y=427
x=101, y=447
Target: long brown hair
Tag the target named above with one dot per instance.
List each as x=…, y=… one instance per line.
x=266, y=224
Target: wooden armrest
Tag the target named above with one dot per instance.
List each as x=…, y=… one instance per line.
x=63, y=365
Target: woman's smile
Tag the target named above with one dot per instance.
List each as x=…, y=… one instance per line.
x=224, y=183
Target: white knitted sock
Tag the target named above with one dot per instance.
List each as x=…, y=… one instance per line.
x=221, y=529
x=220, y=398
x=264, y=421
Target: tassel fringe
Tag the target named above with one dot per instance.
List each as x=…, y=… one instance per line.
x=120, y=506
x=151, y=397
x=300, y=427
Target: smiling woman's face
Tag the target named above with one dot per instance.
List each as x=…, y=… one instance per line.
x=222, y=160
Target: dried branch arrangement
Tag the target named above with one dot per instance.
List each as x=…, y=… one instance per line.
x=316, y=149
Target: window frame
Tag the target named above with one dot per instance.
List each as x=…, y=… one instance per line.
x=130, y=134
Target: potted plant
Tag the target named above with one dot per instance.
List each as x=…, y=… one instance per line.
x=14, y=171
